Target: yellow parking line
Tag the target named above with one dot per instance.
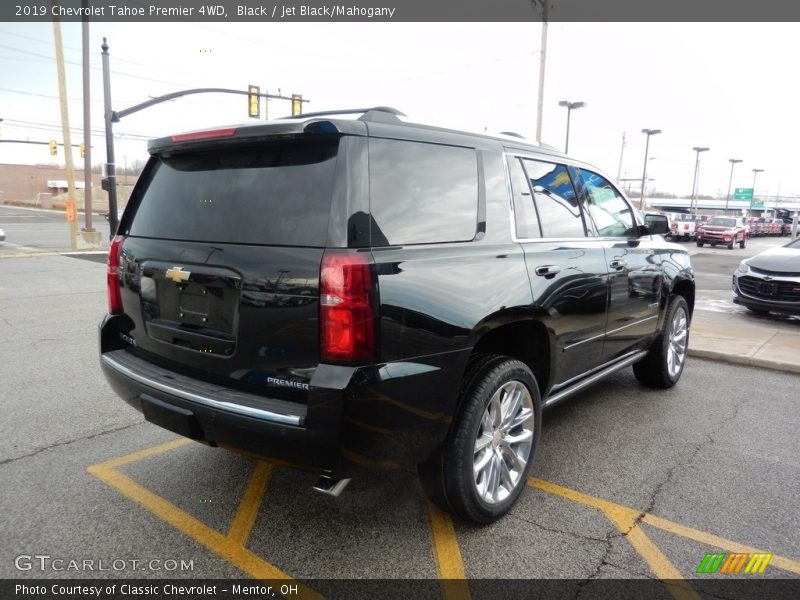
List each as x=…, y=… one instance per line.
x=142, y=454
x=781, y=562
x=625, y=521
x=251, y=501
x=619, y=513
x=448, y=556
x=224, y=546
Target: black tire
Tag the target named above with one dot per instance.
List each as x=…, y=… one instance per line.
x=743, y=243
x=732, y=242
x=448, y=476
x=656, y=369
x=699, y=244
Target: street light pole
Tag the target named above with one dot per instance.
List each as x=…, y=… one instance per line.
x=648, y=133
x=570, y=107
x=698, y=150
x=733, y=161
x=542, y=62
x=111, y=176
x=755, y=172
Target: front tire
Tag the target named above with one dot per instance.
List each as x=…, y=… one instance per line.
x=482, y=467
x=743, y=243
x=663, y=365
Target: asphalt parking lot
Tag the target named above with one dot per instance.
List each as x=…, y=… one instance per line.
x=628, y=483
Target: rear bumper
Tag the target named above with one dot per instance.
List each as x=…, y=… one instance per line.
x=383, y=416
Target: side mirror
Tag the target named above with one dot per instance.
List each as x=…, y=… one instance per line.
x=656, y=224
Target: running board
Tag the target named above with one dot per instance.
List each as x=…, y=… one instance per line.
x=584, y=383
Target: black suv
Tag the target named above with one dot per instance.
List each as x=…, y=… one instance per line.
x=340, y=294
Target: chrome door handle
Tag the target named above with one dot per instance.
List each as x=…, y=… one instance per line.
x=546, y=270
x=617, y=264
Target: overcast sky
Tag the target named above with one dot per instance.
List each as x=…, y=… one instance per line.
x=730, y=87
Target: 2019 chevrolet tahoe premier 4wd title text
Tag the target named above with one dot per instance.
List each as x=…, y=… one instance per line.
x=342, y=294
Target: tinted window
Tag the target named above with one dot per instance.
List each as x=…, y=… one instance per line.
x=608, y=209
x=527, y=223
x=254, y=195
x=422, y=193
x=555, y=199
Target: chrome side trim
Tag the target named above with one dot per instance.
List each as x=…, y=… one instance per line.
x=256, y=413
x=595, y=337
x=639, y=322
x=584, y=383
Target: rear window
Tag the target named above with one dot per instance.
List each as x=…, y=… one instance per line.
x=276, y=194
x=422, y=193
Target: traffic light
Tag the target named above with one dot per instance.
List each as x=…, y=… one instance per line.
x=297, y=104
x=253, y=101
x=83, y=150
x=53, y=147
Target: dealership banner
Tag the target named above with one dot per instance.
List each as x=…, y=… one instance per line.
x=396, y=11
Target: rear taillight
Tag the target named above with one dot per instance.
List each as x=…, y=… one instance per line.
x=112, y=278
x=347, y=319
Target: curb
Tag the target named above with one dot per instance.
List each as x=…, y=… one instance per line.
x=746, y=360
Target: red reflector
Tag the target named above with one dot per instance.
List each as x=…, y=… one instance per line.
x=113, y=276
x=347, y=329
x=203, y=135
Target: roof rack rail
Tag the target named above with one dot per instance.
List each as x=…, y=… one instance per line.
x=512, y=134
x=375, y=113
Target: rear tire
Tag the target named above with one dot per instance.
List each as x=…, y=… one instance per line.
x=483, y=465
x=743, y=243
x=663, y=365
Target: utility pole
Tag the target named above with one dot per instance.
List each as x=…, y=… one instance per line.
x=62, y=96
x=542, y=60
x=87, y=134
x=621, y=152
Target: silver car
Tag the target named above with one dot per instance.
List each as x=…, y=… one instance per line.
x=770, y=281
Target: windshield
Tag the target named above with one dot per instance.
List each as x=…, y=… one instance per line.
x=722, y=222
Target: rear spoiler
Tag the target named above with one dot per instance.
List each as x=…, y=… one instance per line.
x=250, y=132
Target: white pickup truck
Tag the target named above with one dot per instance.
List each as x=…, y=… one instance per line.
x=682, y=226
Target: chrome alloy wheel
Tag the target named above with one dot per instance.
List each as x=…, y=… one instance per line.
x=503, y=443
x=678, y=340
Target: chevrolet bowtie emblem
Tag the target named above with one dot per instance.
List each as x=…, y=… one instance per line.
x=177, y=274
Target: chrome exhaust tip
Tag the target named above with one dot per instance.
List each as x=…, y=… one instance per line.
x=330, y=486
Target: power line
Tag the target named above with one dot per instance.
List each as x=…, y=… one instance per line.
x=97, y=68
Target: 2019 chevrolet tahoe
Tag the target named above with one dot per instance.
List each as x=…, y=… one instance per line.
x=344, y=293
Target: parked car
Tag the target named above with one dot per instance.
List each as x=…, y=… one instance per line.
x=770, y=281
x=683, y=227
x=765, y=226
x=722, y=230
x=345, y=294
x=777, y=227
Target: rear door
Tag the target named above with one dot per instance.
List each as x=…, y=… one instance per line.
x=221, y=261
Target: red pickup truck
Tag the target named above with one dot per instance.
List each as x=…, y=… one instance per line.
x=722, y=230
